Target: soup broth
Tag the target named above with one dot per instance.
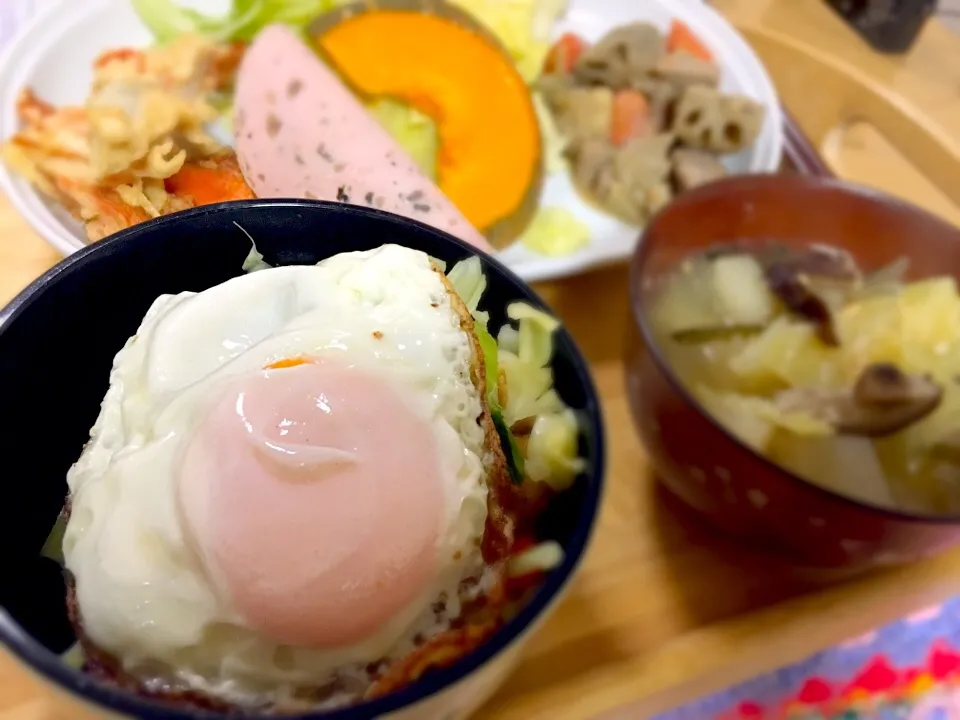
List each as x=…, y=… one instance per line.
x=844, y=376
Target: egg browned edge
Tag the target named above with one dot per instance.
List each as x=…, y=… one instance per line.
x=498, y=539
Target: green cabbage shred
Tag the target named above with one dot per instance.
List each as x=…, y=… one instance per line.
x=254, y=260
x=53, y=547
x=74, y=657
x=524, y=354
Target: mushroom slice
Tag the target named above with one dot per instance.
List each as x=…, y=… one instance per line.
x=814, y=285
x=947, y=448
x=795, y=291
x=883, y=401
x=825, y=261
x=722, y=249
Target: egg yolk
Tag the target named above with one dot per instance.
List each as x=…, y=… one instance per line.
x=315, y=495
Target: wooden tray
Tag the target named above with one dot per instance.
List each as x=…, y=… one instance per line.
x=663, y=609
x=653, y=580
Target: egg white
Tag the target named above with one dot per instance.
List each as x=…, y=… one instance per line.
x=143, y=592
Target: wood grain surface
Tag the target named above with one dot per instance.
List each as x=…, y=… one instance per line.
x=664, y=610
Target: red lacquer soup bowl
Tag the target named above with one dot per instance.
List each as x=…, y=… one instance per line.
x=716, y=475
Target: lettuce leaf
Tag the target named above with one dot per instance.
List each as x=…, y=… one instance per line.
x=469, y=281
x=167, y=19
x=414, y=131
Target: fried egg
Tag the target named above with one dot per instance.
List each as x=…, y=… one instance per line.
x=286, y=479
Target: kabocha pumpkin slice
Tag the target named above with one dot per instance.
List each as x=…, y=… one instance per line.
x=438, y=60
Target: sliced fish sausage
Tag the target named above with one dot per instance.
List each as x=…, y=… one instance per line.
x=300, y=133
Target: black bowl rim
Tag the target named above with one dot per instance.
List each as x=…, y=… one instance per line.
x=744, y=184
x=52, y=668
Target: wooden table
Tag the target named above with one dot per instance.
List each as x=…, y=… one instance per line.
x=664, y=610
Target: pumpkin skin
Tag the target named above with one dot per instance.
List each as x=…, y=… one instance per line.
x=489, y=162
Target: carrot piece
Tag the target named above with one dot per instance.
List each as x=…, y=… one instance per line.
x=565, y=53
x=209, y=181
x=120, y=55
x=681, y=37
x=630, y=118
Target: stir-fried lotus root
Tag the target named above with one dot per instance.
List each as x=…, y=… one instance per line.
x=643, y=116
x=621, y=56
x=709, y=120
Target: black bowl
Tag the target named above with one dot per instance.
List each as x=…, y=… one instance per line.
x=57, y=343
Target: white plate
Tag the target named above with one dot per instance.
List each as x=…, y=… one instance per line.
x=55, y=52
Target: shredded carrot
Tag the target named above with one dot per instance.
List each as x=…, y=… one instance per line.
x=120, y=55
x=681, y=37
x=287, y=363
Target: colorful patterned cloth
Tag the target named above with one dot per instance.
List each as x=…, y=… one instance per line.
x=908, y=670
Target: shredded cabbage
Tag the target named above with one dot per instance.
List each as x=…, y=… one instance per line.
x=542, y=557
x=523, y=26
x=555, y=231
x=74, y=657
x=529, y=389
x=414, y=131
x=550, y=137
x=551, y=454
x=53, y=547
x=535, y=336
x=254, y=260
x=490, y=363
x=552, y=451
x=509, y=339
x=469, y=281
x=523, y=354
